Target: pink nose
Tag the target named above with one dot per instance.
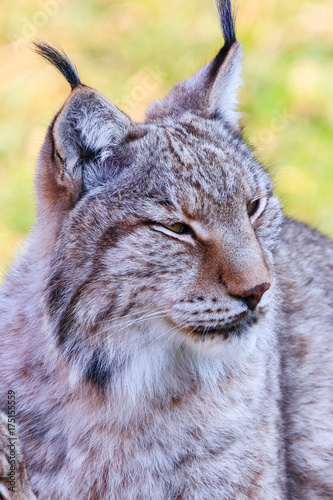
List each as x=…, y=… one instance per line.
x=252, y=297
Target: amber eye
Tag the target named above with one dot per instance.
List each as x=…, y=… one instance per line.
x=179, y=228
x=252, y=207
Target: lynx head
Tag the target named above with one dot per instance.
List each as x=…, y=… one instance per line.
x=158, y=236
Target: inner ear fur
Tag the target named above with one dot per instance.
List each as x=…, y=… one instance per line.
x=223, y=95
x=87, y=128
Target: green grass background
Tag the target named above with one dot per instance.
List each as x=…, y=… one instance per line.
x=135, y=50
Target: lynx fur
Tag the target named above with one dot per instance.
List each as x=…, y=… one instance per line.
x=166, y=330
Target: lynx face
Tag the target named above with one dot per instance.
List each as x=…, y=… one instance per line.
x=162, y=233
x=177, y=237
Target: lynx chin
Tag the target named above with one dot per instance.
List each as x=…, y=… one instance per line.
x=166, y=330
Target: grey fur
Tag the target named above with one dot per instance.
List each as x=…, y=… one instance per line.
x=139, y=369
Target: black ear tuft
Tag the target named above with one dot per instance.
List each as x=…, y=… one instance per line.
x=227, y=22
x=58, y=58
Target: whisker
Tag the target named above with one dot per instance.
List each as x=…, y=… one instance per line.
x=124, y=322
x=178, y=327
x=138, y=320
x=125, y=318
x=115, y=331
x=189, y=333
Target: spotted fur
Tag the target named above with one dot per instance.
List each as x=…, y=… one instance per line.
x=155, y=364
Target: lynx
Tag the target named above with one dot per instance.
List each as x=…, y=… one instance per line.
x=167, y=332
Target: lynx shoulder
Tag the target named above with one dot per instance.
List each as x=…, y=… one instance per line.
x=167, y=331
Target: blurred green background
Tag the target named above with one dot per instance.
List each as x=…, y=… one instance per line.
x=134, y=51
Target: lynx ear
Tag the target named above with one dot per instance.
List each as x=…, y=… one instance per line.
x=224, y=72
x=223, y=98
x=212, y=91
x=83, y=135
x=87, y=130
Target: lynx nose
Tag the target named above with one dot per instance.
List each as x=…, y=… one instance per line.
x=252, y=297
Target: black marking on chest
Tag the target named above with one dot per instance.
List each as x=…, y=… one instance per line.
x=100, y=369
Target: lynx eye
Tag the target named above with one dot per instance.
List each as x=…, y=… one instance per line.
x=179, y=228
x=253, y=207
x=175, y=229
